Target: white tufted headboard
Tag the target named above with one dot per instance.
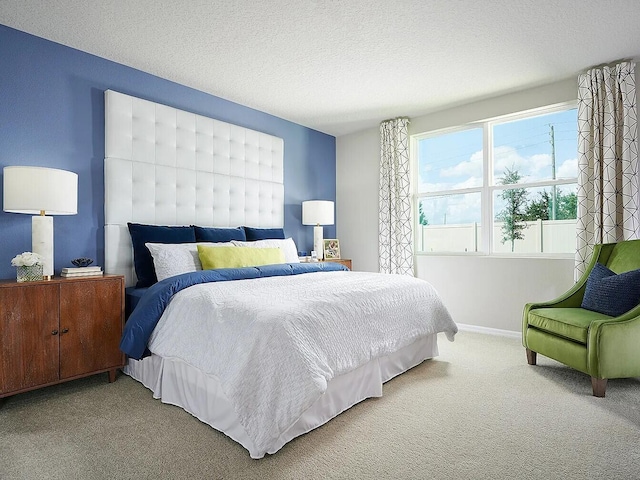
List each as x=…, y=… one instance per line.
x=170, y=167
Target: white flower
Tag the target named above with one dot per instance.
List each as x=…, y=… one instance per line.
x=26, y=259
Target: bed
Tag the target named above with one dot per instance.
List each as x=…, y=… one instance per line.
x=265, y=353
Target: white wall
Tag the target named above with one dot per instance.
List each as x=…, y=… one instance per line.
x=479, y=290
x=491, y=291
x=357, y=177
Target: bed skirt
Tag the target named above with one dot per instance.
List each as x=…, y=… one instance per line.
x=177, y=383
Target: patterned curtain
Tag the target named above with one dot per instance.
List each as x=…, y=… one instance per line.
x=395, y=237
x=607, y=159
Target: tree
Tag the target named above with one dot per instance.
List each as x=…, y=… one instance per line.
x=567, y=208
x=540, y=208
x=513, y=215
x=422, y=218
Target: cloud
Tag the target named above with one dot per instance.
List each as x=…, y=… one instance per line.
x=452, y=209
x=443, y=187
x=470, y=182
x=568, y=169
x=465, y=210
x=532, y=169
x=433, y=187
x=538, y=162
x=471, y=167
x=506, y=157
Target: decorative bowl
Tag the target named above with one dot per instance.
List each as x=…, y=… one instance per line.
x=82, y=262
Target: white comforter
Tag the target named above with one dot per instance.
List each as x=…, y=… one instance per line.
x=275, y=342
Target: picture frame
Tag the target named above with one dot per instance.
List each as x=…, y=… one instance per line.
x=331, y=249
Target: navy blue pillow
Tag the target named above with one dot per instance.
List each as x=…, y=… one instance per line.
x=254, y=234
x=142, y=260
x=211, y=234
x=610, y=293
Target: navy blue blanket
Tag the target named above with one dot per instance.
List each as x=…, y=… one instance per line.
x=149, y=309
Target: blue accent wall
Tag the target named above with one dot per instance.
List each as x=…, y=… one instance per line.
x=52, y=114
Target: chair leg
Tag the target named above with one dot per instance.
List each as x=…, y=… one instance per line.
x=599, y=385
x=531, y=357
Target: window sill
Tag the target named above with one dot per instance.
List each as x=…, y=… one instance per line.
x=543, y=256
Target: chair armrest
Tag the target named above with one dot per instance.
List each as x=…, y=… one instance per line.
x=572, y=298
x=612, y=346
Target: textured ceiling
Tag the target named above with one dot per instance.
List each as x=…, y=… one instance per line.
x=342, y=66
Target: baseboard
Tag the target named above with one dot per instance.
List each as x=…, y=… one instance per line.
x=489, y=331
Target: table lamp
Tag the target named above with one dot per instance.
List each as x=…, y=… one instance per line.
x=317, y=213
x=41, y=191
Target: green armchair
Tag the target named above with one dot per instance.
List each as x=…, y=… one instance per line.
x=599, y=345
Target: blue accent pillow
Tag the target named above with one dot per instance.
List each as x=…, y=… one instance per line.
x=142, y=260
x=610, y=293
x=216, y=235
x=254, y=234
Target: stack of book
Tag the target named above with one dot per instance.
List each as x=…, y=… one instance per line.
x=81, y=272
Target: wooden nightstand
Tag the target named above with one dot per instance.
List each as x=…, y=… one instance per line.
x=58, y=330
x=344, y=261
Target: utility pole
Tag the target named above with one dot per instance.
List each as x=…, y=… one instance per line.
x=553, y=173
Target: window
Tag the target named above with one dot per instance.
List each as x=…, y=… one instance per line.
x=506, y=186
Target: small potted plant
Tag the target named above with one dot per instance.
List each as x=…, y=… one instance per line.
x=28, y=266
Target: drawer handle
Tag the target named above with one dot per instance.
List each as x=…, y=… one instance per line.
x=64, y=330
x=55, y=332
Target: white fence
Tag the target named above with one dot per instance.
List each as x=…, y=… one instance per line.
x=541, y=236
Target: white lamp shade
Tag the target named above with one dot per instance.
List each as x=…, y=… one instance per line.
x=317, y=212
x=36, y=189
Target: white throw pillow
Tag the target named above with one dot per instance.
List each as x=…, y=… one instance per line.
x=288, y=246
x=171, y=259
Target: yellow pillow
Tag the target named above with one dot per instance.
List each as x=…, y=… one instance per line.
x=234, y=257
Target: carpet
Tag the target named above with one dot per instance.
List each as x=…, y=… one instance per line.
x=477, y=411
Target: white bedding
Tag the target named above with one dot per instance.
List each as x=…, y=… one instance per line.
x=274, y=343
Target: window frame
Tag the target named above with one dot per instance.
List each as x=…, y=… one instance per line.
x=488, y=188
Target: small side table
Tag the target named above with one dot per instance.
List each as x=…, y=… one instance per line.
x=344, y=261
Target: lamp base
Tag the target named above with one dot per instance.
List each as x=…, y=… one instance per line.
x=318, y=243
x=42, y=242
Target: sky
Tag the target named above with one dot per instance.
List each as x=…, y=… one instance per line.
x=454, y=161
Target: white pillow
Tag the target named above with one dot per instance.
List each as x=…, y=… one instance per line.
x=288, y=247
x=171, y=259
